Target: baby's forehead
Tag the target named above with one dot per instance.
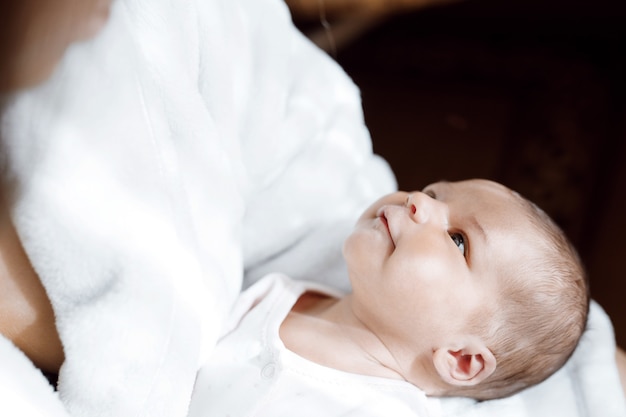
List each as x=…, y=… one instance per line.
x=511, y=224
x=483, y=196
x=479, y=186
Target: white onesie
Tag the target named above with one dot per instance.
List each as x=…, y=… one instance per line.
x=251, y=373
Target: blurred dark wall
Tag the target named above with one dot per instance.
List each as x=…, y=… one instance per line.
x=531, y=94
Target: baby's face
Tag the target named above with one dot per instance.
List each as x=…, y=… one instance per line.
x=422, y=263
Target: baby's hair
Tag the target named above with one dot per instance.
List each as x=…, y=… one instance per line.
x=541, y=315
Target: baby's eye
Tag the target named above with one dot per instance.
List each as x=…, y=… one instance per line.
x=459, y=241
x=430, y=193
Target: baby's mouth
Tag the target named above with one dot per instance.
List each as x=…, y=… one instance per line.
x=385, y=222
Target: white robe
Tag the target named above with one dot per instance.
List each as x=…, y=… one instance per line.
x=187, y=137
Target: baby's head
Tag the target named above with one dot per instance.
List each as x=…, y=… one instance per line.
x=473, y=289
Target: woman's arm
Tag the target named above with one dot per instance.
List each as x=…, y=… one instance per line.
x=343, y=21
x=26, y=316
x=313, y=9
x=620, y=357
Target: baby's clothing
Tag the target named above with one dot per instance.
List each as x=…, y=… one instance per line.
x=252, y=373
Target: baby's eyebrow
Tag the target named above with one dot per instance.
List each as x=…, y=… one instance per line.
x=477, y=226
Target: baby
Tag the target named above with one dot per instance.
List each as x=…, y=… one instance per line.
x=463, y=289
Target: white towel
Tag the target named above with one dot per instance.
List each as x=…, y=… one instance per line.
x=186, y=135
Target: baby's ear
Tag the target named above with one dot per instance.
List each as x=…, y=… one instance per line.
x=464, y=367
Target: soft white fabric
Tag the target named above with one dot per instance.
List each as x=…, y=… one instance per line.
x=24, y=391
x=188, y=136
x=251, y=373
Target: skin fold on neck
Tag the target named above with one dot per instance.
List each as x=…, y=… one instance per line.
x=324, y=330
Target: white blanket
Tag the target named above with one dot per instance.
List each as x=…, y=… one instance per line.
x=187, y=136
x=191, y=137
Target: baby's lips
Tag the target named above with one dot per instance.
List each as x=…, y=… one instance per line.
x=383, y=214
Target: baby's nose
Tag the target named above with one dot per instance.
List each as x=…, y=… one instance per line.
x=424, y=209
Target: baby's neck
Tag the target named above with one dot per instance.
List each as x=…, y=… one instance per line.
x=324, y=330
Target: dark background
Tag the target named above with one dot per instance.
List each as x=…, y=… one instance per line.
x=528, y=93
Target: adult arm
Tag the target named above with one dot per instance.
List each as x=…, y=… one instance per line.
x=26, y=316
